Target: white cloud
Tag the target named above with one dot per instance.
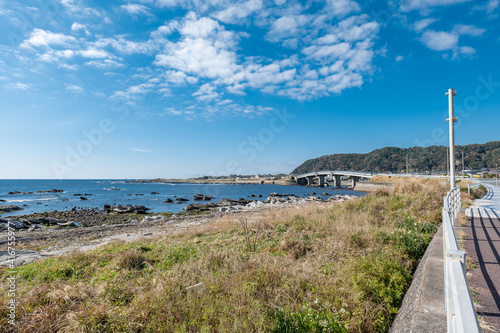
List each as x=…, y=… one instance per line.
x=206, y=93
x=125, y=46
x=399, y=58
x=39, y=37
x=341, y=8
x=491, y=6
x=74, y=88
x=467, y=50
x=21, y=86
x=133, y=92
x=408, y=5
x=488, y=7
x=76, y=8
x=468, y=30
x=440, y=40
x=140, y=150
x=199, y=57
x=237, y=13
x=78, y=26
x=104, y=64
x=423, y=24
x=178, y=78
x=95, y=53
x=287, y=28
x=135, y=9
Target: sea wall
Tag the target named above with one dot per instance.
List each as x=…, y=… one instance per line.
x=423, y=308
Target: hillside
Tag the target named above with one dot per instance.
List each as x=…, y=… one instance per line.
x=420, y=159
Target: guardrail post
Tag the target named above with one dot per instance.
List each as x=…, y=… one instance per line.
x=456, y=255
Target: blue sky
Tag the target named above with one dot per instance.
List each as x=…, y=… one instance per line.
x=168, y=88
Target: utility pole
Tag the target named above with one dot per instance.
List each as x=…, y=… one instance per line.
x=448, y=161
x=407, y=164
x=463, y=166
x=451, y=121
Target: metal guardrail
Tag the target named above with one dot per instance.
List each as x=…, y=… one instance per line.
x=460, y=312
x=472, y=186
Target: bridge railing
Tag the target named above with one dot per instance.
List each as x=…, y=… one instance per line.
x=460, y=313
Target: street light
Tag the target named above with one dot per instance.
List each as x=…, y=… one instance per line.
x=452, y=121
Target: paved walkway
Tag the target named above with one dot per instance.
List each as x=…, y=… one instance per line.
x=482, y=244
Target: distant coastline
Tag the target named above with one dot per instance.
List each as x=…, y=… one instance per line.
x=260, y=181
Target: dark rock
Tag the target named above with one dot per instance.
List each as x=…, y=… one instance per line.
x=313, y=193
x=83, y=198
x=141, y=209
x=77, y=194
x=2, y=200
x=169, y=200
x=9, y=208
x=202, y=197
x=242, y=201
x=107, y=209
x=127, y=209
x=17, y=224
x=228, y=202
x=155, y=193
x=260, y=195
x=196, y=207
x=123, y=209
x=36, y=221
x=253, y=196
x=182, y=199
x=51, y=191
x=324, y=194
x=274, y=194
x=14, y=192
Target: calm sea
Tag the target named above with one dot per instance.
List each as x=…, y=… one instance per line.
x=113, y=192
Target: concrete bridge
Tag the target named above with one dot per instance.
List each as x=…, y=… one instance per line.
x=336, y=175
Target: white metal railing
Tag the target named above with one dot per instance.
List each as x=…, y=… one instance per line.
x=460, y=313
x=472, y=186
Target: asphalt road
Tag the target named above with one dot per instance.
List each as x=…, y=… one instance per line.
x=482, y=244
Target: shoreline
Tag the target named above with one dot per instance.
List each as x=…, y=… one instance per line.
x=56, y=239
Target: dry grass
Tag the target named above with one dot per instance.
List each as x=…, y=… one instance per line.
x=311, y=268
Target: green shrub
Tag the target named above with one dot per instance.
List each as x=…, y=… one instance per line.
x=308, y=320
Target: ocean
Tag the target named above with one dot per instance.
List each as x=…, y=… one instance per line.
x=113, y=192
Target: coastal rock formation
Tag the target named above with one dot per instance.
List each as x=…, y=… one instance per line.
x=122, y=209
x=169, y=201
x=35, y=224
x=50, y=191
x=202, y=197
x=8, y=208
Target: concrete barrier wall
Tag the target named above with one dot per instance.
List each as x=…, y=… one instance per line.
x=423, y=308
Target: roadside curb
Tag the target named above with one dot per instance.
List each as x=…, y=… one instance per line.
x=423, y=308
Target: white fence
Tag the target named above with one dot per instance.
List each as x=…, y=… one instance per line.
x=460, y=312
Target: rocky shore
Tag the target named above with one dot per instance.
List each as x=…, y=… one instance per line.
x=41, y=235
x=120, y=214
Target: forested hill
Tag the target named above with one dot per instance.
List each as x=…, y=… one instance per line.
x=420, y=159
